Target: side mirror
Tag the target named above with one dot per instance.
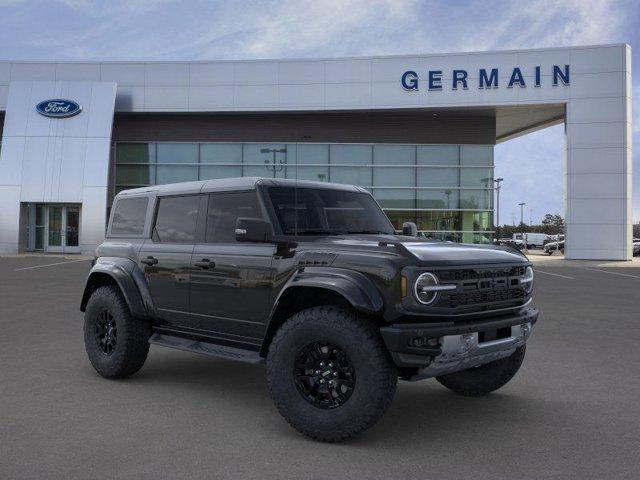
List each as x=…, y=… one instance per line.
x=409, y=229
x=253, y=230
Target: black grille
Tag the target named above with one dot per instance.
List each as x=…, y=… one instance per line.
x=482, y=287
x=454, y=300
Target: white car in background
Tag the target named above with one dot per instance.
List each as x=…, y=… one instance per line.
x=551, y=247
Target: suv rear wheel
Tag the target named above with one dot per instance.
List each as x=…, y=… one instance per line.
x=329, y=373
x=117, y=344
x=484, y=379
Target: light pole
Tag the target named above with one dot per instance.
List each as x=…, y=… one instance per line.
x=522, y=213
x=275, y=167
x=497, y=181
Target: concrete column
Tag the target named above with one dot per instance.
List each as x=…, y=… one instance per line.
x=598, y=173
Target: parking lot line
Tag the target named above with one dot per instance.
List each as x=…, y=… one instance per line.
x=52, y=264
x=611, y=273
x=554, y=274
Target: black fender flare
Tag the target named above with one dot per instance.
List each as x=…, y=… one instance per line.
x=355, y=287
x=126, y=273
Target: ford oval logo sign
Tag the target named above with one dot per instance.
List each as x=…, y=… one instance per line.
x=58, y=108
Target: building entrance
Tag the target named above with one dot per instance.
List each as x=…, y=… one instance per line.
x=54, y=228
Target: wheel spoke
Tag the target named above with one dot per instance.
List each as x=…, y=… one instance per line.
x=105, y=332
x=324, y=375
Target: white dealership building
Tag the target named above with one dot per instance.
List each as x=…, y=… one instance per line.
x=418, y=131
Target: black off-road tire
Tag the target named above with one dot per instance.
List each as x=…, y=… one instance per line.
x=132, y=341
x=482, y=380
x=375, y=382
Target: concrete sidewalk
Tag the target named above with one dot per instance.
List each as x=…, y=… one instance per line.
x=558, y=260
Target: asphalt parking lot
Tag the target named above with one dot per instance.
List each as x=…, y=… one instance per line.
x=573, y=411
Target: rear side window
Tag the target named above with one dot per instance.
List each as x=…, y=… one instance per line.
x=176, y=219
x=128, y=216
x=224, y=210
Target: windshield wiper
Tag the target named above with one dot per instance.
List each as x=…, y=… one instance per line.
x=371, y=232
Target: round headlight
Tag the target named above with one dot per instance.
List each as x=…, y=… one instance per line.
x=527, y=280
x=424, y=288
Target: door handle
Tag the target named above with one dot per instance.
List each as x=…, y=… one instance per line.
x=149, y=260
x=205, y=264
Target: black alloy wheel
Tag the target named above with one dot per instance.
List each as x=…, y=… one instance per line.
x=324, y=375
x=329, y=372
x=106, y=332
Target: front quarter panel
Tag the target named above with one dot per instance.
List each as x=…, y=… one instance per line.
x=354, y=286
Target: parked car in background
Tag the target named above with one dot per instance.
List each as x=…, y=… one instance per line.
x=551, y=247
x=531, y=240
x=636, y=247
x=554, y=238
x=509, y=242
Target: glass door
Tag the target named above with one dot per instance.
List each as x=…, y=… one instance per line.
x=62, y=228
x=55, y=232
x=40, y=227
x=72, y=229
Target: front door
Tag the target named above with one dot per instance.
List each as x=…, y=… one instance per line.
x=231, y=281
x=62, y=228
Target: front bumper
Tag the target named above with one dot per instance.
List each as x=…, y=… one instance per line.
x=440, y=348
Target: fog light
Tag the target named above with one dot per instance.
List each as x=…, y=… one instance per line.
x=423, y=342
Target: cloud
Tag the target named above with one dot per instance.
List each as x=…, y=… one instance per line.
x=546, y=23
x=250, y=29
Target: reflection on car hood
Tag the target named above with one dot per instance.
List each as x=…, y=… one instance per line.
x=445, y=253
x=432, y=252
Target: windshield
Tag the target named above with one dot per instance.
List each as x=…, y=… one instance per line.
x=318, y=211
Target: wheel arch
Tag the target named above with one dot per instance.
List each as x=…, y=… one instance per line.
x=127, y=277
x=321, y=286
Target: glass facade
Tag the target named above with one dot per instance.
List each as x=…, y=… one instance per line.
x=447, y=190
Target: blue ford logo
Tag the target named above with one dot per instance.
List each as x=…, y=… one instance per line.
x=58, y=108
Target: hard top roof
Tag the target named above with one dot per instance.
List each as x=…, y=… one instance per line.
x=230, y=184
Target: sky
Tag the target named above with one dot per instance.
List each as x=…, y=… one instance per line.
x=532, y=166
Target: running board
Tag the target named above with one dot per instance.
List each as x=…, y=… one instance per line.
x=205, y=348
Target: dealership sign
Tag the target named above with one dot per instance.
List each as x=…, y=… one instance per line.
x=487, y=78
x=58, y=108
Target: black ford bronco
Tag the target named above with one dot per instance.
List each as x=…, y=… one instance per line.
x=312, y=279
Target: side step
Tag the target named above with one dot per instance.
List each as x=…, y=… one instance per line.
x=206, y=348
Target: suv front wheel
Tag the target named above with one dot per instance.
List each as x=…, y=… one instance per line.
x=329, y=373
x=117, y=344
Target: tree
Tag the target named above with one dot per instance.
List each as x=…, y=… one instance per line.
x=552, y=224
x=553, y=220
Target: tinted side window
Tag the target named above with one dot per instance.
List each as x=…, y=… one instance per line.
x=224, y=210
x=176, y=219
x=128, y=216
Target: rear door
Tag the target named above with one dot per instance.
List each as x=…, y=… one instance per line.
x=231, y=281
x=165, y=259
